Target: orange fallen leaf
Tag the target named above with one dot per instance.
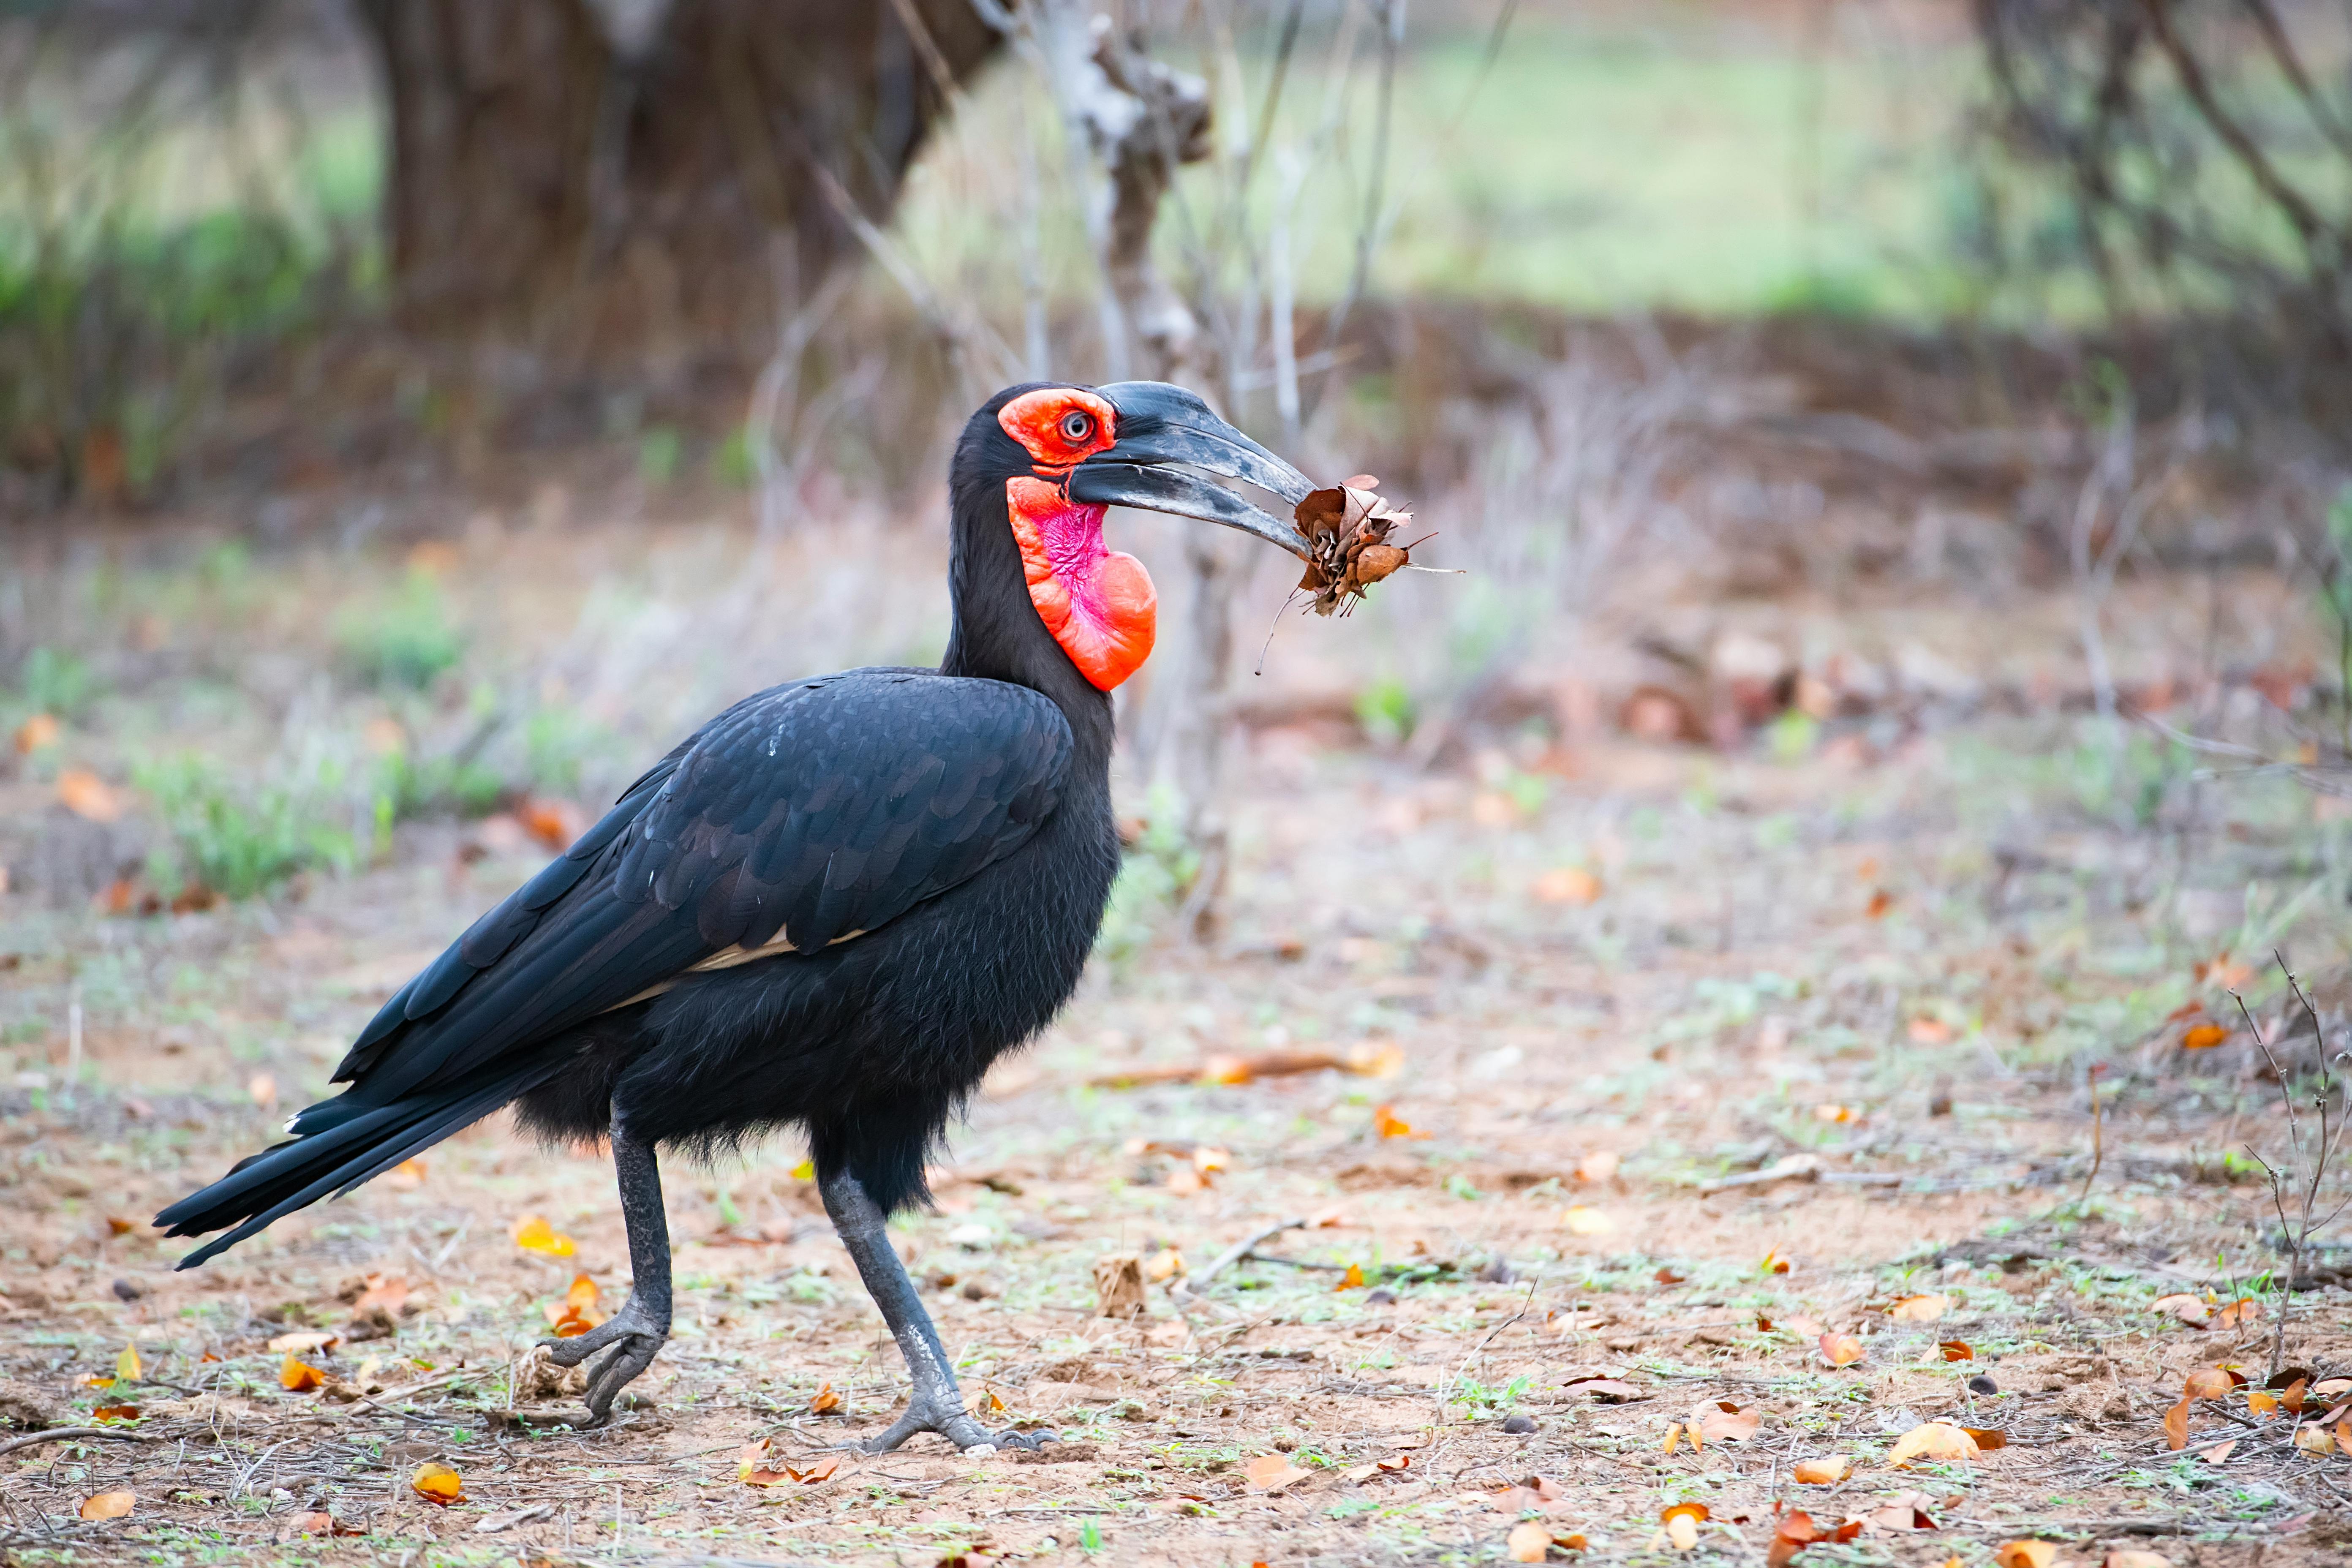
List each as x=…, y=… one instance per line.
x=263, y=1087
x=1353, y=1280
x=106, y=1413
x=553, y=822
x=2315, y=1440
x=89, y=797
x=1682, y=1530
x=1696, y=1511
x=1568, y=885
x=298, y=1377
x=1929, y=1031
x=824, y=1399
x=321, y=1522
x=533, y=1234
x=1667, y=1274
x=1841, y=1350
x=1582, y=1219
x=303, y=1340
x=1674, y=1438
x=2238, y=1314
x=1389, y=1124
x=2026, y=1553
x=117, y=1226
x=1394, y=1464
x=2188, y=1309
x=1881, y=901
x=1932, y=1440
x=126, y=1364
x=2261, y=1402
x=1596, y=1165
x=108, y=1505
x=1836, y=1113
x=1728, y=1423
x=2175, y=1427
x=2220, y=974
x=2205, y=1382
x=2134, y=1557
x=2218, y=1452
x=408, y=1175
x=1774, y=1263
x=823, y=1470
x=436, y=1483
x=1956, y=1350
x=1988, y=1438
x=1527, y=1542
x=2203, y=1037
x=39, y=731
x=2290, y=1398
x=381, y=1291
x=1825, y=1472
x=1920, y=1309
x=1273, y=1473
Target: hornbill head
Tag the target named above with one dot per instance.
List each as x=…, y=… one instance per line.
x=1069, y=453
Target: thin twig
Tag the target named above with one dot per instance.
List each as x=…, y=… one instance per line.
x=75, y=1434
x=1238, y=1251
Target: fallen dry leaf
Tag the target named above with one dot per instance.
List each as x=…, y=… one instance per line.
x=1920, y=1309
x=302, y=1341
x=1681, y=1532
x=1695, y=1512
x=108, y=1505
x=1568, y=885
x=2026, y=1553
x=576, y=1313
x=1353, y=1280
x=1728, y=1423
x=382, y=1292
x=1932, y=1440
x=321, y=1522
x=533, y=1234
x=1988, y=1438
x=2238, y=1314
x=1674, y=1438
x=2218, y=1452
x=39, y=731
x=1881, y=901
x=126, y=1364
x=1841, y=1350
x=1596, y=1165
x=2203, y=1037
x=824, y=1399
x=408, y=1175
x=298, y=1377
x=1389, y=1124
x=1925, y=1030
x=1273, y=1473
x=1825, y=1472
x=2315, y=1440
x=1796, y=1531
x=108, y=1413
x=1347, y=528
x=1528, y=1542
x=92, y=799
x=1774, y=1264
x=1163, y=1266
x=2133, y=1557
x=436, y=1483
x=1582, y=1219
x=2175, y=1427
x=1608, y=1389
x=263, y=1088
x=1956, y=1350
x=2205, y=1382
x=2188, y=1309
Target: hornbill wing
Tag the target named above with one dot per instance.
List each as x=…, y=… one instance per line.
x=804, y=814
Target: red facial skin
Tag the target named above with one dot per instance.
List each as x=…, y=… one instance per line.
x=1098, y=603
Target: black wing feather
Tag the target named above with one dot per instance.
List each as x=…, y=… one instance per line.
x=822, y=808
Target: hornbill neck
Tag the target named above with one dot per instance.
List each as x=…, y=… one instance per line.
x=997, y=634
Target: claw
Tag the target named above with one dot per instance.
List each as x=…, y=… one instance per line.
x=957, y=1427
x=636, y=1337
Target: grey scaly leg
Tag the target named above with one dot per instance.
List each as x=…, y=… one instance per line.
x=937, y=1403
x=638, y=1329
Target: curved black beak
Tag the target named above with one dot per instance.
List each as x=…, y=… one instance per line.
x=1163, y=431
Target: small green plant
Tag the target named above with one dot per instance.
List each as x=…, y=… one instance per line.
x=240, y=843
x=658, y=451
x=1385, y=709
x=408, y=640
x=55, y=681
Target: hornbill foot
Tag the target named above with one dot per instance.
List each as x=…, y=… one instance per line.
x=957, y=1427
x=636, y=1334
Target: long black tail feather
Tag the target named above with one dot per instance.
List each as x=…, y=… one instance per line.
x=268, y=1187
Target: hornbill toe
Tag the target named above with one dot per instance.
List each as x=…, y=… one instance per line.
x=634, y=1336
x=957, y=1427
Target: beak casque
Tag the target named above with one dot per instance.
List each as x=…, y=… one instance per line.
x=1164, y=430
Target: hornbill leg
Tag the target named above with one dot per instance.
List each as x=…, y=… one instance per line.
x=935, y=1404
x=638, y=1329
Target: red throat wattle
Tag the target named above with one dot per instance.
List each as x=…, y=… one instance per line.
x=1100, y=605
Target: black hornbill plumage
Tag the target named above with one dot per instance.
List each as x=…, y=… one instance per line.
x=832, y=907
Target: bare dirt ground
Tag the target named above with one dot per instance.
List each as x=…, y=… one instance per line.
x=1584, y=986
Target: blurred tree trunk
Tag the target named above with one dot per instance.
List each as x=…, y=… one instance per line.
x=556, y=181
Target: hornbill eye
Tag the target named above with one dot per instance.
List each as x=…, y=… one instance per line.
x=1078, y=427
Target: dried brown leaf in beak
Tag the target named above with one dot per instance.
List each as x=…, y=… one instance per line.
x=1348, y=528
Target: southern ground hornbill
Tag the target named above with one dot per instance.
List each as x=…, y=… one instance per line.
x=831, y=907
